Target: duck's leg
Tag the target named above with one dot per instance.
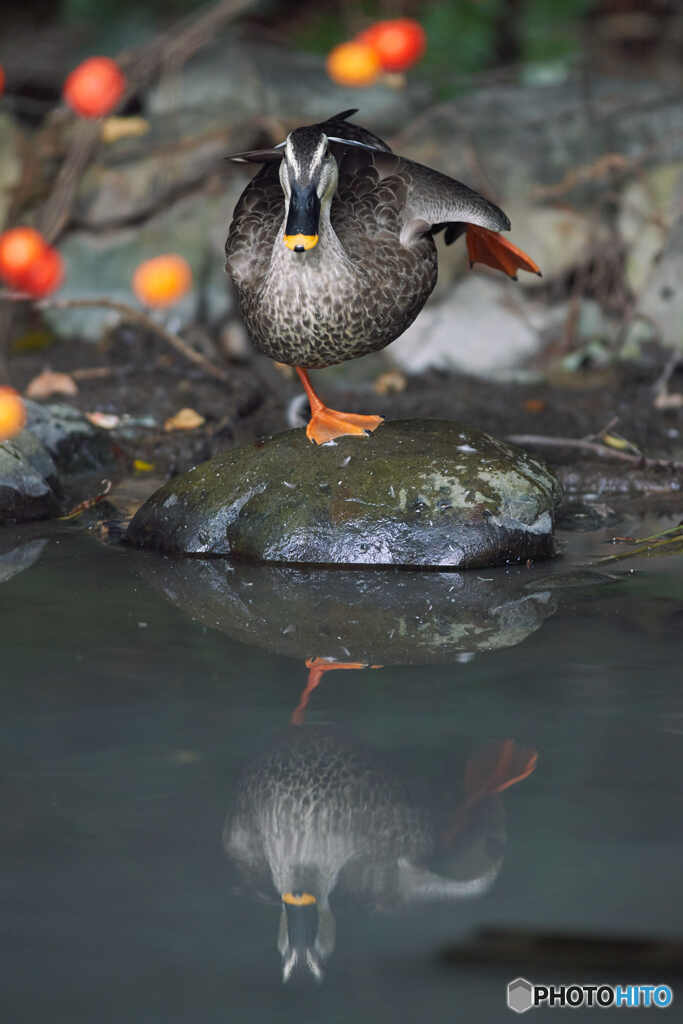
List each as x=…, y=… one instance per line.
x=325, y=424
x=493, y=249
x=496, y=767
x=316, y=667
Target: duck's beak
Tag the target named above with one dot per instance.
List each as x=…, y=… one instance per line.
x=301, y=230
x=298, y=930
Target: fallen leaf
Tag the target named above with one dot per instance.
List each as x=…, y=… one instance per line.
x=390, y=383
x=32, y=341
x=142, y=467
x=50, y=383
x=619, y=443
x=115, y=128
x=534, y=404
x=105, y=420
x=186, y=419
x=666, y=400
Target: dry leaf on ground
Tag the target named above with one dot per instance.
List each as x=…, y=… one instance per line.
x=186, y=419
x=51, y=383
x=390, y=383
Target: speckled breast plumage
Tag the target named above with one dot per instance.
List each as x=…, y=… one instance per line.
x=354, y=293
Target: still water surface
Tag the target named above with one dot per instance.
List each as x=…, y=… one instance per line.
x=170, y=768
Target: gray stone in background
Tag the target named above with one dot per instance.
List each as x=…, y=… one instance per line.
x=58, y=443
x=508, y=139
x=649, y=208
x=101, y=263
x=241, y=77
x=75, y=445
x=483, y=326
x=373, y=616
x=662, y=299
x=415, y=493
x=28, y=481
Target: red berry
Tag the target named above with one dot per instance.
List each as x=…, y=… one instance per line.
x=398, y=43
x=44, y=275
x=19, y=248
x=94, y=87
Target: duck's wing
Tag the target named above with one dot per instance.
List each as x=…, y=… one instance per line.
x=435, y=202
x=258, y=215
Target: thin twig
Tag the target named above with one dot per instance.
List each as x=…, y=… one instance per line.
x=130, y=313
x=89, y=502
x=593, y=448
x=56, y=209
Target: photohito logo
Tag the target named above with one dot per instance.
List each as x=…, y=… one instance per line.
x=523, y=995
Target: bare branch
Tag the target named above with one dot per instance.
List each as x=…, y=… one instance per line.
x=593, y=448
x=131, y=314
x=169, y=50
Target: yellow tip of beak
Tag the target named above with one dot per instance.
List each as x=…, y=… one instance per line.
x=303, y=899
x=298, y=242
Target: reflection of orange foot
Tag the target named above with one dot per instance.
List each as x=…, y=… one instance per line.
x=316, y=667
x=491, y=248
x=496, y=767
x=326, y=424
x=492, y=769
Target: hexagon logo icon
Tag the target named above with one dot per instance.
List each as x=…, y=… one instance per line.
x=520, y=995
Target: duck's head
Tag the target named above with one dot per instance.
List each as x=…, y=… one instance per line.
x=306, y=936
x=308, y=174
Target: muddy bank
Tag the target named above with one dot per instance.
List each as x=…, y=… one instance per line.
x=133, y=377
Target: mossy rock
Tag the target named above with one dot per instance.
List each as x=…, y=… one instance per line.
x=415, y=494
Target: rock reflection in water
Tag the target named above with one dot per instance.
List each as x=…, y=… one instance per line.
x=17, y=559
x=319, y=813
x=391, y=617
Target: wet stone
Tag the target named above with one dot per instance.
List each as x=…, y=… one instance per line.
x=415, y=493
x=41, y=464
x=28, y=481
x=72, y=441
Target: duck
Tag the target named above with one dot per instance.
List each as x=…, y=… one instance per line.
x=318, y=811
x=331, y=250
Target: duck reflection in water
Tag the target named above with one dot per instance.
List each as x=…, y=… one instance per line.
x=318, y=811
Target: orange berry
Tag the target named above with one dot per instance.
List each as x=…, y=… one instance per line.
x=163, y=280
x=44, y=275
x=399, y=43
x=355, y=63
x=12, y=413
x=19, y=248
x=94, y=87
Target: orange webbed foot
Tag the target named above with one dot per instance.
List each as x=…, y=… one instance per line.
x=327, y=424
x=491, y=248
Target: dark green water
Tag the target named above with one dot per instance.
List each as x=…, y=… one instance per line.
x=127, y=722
